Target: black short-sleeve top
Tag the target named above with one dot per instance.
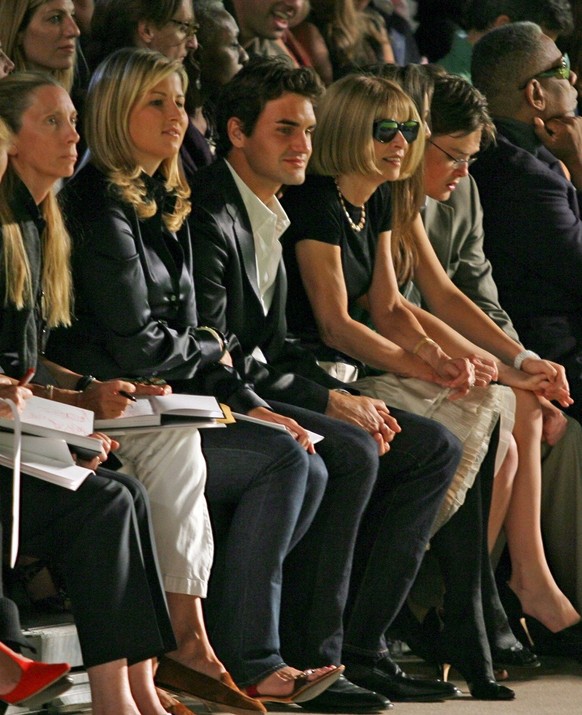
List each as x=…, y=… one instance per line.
x=316, y=213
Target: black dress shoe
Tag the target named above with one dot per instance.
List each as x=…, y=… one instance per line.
x=384, y=676
x=345, y=697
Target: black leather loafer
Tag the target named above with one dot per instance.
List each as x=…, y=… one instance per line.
x=345, y=697
x=387, y=678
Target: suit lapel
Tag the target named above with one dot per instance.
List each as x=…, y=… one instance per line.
x=241, y=225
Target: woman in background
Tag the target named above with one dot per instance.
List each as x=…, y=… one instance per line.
x=41, y=35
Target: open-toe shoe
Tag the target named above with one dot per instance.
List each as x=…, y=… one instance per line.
x=304, y=689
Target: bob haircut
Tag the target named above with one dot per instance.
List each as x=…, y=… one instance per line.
x=115, y=23
x=116, y=86
x=343, y=142
x=15, y=16
x=16, y=96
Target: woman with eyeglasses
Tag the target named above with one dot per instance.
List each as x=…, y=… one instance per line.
x=344, y=269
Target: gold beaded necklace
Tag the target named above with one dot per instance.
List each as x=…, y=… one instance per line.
x=362, y=222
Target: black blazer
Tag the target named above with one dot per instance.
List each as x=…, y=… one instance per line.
x=533, y=238
x=227, y=295
x=135, y=304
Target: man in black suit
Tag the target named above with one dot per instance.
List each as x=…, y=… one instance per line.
x=265, y=119
x=529, y=184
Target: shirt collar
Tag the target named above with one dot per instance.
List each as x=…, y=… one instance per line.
x=519, y=133
x=260, y=213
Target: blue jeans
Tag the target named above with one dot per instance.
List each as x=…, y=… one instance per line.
x=317, y=571
x=263, y=490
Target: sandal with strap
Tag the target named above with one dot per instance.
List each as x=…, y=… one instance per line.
x=303, y=688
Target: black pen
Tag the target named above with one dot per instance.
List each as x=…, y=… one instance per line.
x=129, y=396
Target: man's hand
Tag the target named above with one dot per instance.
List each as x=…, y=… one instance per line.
x=370, y=414
x=108, y=444
x=563, y=137
x=298, y=433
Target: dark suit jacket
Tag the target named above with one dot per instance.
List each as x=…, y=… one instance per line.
x=533, y=238
x=227, y=295
x=135, y=305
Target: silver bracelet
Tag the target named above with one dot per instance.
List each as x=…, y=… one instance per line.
x=522, y=356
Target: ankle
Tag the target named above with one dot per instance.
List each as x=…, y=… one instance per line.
x=209, y=666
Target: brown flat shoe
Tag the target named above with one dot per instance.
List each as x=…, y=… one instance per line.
x=174, y=676
x=171, y=705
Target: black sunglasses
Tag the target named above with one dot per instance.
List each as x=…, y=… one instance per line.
x=384, y=130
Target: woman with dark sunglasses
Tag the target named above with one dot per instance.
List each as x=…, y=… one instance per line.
x=344, y=269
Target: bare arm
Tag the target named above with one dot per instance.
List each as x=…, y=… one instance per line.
x=322, y=275
x=466, y=330
x=392, y=347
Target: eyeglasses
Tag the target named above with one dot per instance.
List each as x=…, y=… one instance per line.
x=561, y=71
x=384, y=130
x=455, y=161
x=188, y=29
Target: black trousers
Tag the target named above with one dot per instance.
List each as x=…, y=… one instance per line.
x=102, y=537
x=10, y=629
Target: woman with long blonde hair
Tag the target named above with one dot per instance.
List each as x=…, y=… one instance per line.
x=102, y=528
x=41, y=35
x=126, y=210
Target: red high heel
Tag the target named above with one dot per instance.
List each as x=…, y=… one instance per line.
x=35, y=677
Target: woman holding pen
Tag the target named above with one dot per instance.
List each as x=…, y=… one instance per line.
x=126, y=210
x=107, y=518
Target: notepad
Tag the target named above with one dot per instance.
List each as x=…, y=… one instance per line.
x=48, y=418
x=46, y=458
x=160, y=410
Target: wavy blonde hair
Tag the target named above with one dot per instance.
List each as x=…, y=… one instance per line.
x=16, y=96
x=117, y=84
x=15, y=16
x=343, y=144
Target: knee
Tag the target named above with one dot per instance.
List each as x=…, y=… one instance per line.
x=317, y=477
x=446, y=446
x=109, y=503
x=295, y=467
